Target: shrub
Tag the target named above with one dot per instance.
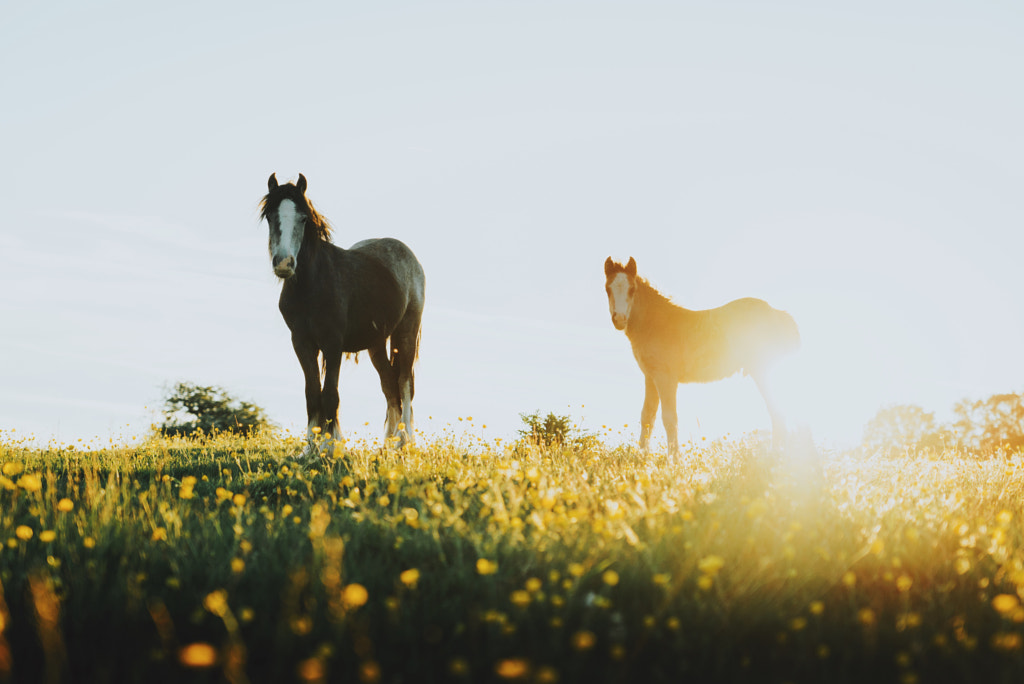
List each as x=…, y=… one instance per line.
x=191, y=410
x=554, y=430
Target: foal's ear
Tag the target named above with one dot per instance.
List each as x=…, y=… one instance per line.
x=272, y=182
x=609, y=267
x=301, y=184
x=631, y=268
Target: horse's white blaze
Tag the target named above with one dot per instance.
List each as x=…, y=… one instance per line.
x=289, y=237
x=619, y=300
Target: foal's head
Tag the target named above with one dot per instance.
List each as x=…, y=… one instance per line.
x=289, y=213
x=620, y=284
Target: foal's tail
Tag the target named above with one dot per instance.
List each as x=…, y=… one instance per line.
x=781, y=338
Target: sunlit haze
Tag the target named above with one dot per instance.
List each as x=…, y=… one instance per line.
x=858, y=167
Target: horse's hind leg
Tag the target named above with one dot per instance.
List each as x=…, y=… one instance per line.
x=404, y=343
x=389, y=385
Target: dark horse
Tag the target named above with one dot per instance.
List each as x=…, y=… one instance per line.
x=338, y=301
x=673, y=345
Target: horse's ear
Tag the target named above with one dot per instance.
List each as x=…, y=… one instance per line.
x=631, y=268
x=272, y=182
x=609, y=267
x=301, y=184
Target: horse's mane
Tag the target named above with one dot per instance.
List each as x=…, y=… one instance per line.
x=274, y=198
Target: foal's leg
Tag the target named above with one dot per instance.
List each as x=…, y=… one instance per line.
x=667, y=386
x=648, y=412
x=778, y=419
x=389, y=385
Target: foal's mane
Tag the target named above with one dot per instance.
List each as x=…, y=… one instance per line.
x=274, y=198
x=651, y=295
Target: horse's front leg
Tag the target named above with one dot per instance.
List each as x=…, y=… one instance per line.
x=667, y=386
x=648, y=412
x=307, y=355
x=329, y=398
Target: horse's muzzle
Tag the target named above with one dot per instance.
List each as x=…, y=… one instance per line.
x=284, y=267
x=619, y=321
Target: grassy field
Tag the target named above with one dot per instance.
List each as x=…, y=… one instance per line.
x=468, y=561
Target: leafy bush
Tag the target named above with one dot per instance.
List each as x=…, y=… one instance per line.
x=554, y=430
x=905, y=427
x=194, y=409
x=982, y=426
x=990, y=424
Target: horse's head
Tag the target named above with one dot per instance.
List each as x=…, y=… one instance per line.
x=287, y=211
x=620, y=284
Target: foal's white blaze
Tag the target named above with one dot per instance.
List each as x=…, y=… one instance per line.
x=620, y=300
x=289, y=238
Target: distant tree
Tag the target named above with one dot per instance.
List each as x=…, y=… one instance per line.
x=554, y=430
x=904, y=426
x=990, y=424
x=191, y=409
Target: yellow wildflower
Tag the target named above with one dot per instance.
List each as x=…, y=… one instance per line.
x=217, y=602
x=520, y=598
x=512, y=668
x=30, y=482
x=199, y=654
x=547, y=675
x=354, y=595
x=1005, y=604
x=65, y=505
x=410, y=577
x=369, y=672
x=23, y=532
x=710, y=565
x=583, y=640
x=1006, y=641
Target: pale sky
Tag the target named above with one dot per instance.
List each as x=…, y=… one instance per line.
x=859, y=166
